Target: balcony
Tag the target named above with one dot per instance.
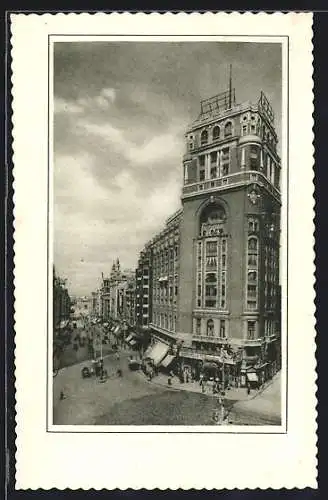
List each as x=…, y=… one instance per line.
x=230, y=181
x=207, y=338
x=254, y=342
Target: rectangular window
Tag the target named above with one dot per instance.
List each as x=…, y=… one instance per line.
x=251, y=304
x=213, y=172
x=199, y=290
x=214, y=156
x=252, y=276
x=251, y=326
x=202, y=161
x=254, y=163
x=210, y=303
x=202, y=175
x=222, y=328
x=198, y=326
x=225, y=169
x=252, y=260
x=210, y=291
x=251, y=290
x=244, y=130
x=211, y=248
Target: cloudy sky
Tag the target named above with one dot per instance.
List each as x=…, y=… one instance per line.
x=121, y=110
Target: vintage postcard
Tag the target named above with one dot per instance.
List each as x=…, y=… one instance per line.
x=164, y=262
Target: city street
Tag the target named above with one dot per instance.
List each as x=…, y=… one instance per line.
x=132, y=400
x=70, y=356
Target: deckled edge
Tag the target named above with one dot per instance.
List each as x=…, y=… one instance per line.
x=11, y=114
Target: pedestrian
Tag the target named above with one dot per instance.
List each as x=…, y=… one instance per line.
x=248, y=388
x=201, y=379
x=62, y=395
x=117, y=356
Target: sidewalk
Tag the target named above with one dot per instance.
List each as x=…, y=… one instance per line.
x=233, y=394
x=266, y=403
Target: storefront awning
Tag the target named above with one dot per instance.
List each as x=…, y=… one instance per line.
x=167, y=360
x=158, y=352
x=132, y=342
x=63, y=323
x=129, y=337
x=210, y=365
x=252, y=377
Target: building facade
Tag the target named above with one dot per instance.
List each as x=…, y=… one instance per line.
x=61, y=302
x=143, y=288
x=215, y=267
x=117, y=295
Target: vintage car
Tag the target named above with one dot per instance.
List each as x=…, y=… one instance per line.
x=134, y=365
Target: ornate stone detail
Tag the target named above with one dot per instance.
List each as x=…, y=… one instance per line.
x=254, y=196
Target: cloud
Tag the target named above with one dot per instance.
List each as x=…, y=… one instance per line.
x=121, y=110
x=66, y=106
x=109, y=94
x=168, y=145
x=94, y=224
x=103, y=101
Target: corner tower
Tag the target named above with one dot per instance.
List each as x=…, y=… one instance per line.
x=230, y=230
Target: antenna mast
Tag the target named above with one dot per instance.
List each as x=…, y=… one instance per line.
x=230, y=86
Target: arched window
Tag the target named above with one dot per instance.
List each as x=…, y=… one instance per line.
x=204, y=137
x=228, y=129
x=213, y=216
x=210, y=328
x=216, y=133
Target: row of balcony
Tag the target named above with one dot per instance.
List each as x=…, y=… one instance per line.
x=230, y=180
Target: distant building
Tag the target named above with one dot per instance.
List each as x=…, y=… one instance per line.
x=117, y=295
x=209, y=281
x=96, y=303
x=61, y=302
x=144, y=283
x=83, y=306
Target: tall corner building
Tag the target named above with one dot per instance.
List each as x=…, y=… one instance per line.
x=215, y=265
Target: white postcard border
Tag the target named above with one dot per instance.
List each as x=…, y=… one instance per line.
x=281, y=460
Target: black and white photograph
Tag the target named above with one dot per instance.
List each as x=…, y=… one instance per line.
x=163, y=251
x=167, y=199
